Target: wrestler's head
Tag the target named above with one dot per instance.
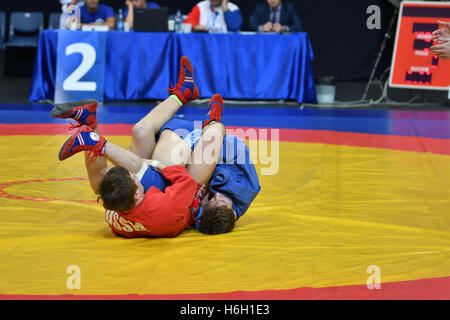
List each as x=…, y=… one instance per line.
x=120, y=190
x=218, y=215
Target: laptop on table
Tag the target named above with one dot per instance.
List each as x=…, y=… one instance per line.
x=151, y=19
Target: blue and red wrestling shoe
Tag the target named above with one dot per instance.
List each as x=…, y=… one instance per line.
x=85, y=139
x=186, y=90
x=84, y=112
x=215, y=112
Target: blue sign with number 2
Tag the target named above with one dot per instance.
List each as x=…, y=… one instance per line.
x=80, y=66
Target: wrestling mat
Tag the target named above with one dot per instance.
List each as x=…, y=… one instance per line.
x=352, y=196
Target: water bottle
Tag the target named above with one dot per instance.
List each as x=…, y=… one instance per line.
x=178, y=21
x=120, y=20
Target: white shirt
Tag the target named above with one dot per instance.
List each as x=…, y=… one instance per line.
x=65, y=14
x=214, y=21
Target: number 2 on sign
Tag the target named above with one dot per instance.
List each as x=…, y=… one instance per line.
x=73, y=83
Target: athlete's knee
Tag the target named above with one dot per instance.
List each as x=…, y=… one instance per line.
x=141, y=130
x=216, y=128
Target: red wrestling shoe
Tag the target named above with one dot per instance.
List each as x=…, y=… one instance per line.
x=84, y=112
x=85, y=139
x=215, y=112
x=186, y=90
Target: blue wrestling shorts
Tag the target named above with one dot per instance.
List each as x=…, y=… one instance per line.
x=188, y=131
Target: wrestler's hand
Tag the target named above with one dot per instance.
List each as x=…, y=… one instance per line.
x=443, y=34
x=442, y=50
x=128, y=3
x=155, y=164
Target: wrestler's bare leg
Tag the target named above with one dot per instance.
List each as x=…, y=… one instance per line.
x=142, y=144
x=144, y=132
x=203, y=159
x=201, y=162
x=171, y=149
x=96, y=170
x=206, y=153
x=119, y=156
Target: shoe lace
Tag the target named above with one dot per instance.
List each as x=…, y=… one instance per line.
x=172, y=88
x=74, y=126
x=96, y=152
x=180, y=82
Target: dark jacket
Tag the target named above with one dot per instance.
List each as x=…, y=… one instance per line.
x=288, y=17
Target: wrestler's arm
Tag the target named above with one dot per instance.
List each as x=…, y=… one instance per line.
x=157, y=165
x=122, y=157
x=206, y=154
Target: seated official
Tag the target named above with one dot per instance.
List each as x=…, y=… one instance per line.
x=215, y=16
x=97, y=13
x=275, y=16
x=138, y=4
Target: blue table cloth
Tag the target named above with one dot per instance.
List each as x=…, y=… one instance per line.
x=238, y=66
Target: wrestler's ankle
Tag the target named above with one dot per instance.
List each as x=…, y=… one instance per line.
x=217, y=125
x=173, y=96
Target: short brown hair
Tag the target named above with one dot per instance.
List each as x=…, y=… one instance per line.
x=117, y=190
x=217, y=220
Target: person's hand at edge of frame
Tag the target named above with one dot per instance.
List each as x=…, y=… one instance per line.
x=441, y=50
x=443, y=34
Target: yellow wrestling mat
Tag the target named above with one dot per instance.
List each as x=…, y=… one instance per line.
x=328, y=214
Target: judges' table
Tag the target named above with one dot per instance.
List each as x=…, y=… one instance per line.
x=236, y=65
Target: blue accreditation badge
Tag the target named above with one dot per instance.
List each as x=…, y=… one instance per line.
x=80, y=66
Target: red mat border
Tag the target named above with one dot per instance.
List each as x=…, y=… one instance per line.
x=423, y=289
x=381, y=141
